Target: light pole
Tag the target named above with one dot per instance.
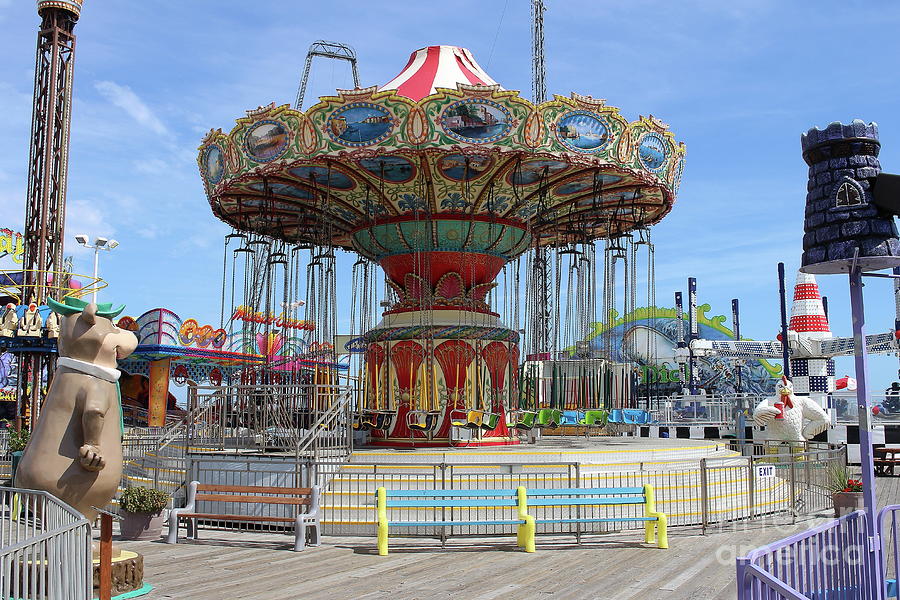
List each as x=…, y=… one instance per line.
x=100, y=243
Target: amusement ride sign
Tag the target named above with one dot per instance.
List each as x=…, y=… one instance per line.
x=245, y=313
x=192, y=333
x=12, y=244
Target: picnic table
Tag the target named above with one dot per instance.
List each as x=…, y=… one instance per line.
x=885, y=458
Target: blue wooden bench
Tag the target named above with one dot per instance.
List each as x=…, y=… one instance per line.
x=452, y=499
x=655, y=522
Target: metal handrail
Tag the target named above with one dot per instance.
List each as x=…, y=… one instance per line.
x=328, y=415
x=786, y=591
x=890, y=554
x=812, y=546
x=41, y=536
x=51, y=555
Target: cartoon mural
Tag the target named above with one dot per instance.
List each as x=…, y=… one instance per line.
x=648, y=337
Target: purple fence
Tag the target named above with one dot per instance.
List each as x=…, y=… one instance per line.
x=828, y=562
x=890, y=547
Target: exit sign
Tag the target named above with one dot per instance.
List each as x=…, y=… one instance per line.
x=765, y=471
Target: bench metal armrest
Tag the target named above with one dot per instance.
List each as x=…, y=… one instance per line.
x=313, y=503
x=190, y=502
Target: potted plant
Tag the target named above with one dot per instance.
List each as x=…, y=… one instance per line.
x=17, y=440
x=846, y=491
x=141, y=510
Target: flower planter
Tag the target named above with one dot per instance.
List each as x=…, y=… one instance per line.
x=141, y=526
x=846, y=502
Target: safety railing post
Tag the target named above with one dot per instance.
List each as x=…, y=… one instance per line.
x=807, y=474
x=793, y=467
x=704, y=495
x=751, y=486
x=443, y=468
x=743, y=583
x=577, y=507
x=157, y=459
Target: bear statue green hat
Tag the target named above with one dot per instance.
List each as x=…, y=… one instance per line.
x=71, y=305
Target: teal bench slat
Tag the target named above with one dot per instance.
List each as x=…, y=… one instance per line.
x=586, y=501
x=582, y=491
x=450, y=523
x=601, y=520
x=485, y=503
x=446, y=493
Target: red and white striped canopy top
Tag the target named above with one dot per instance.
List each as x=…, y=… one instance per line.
x=437, y=66
x=808, y=312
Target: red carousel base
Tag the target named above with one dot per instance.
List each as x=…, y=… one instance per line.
x=441, y=442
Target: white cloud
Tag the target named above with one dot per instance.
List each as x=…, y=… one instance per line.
x=151, y=166
x=125, y=98
x=150, y=232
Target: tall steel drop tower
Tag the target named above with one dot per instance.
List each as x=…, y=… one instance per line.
x=540, y=340
x=45, y=209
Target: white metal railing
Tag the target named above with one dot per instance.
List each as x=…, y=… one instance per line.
x=721, y=410
x=274, y=417
x=886, y=408
x=697, y=409
x=45, y=548
x=313, y=423
x=711, y=492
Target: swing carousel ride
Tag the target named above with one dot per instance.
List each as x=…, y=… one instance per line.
x=443, y=178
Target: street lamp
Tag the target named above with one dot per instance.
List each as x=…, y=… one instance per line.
x=100, y=243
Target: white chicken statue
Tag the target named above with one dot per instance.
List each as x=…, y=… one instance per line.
x=784, y=415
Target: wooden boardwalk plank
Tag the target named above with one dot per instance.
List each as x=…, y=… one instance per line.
x=615, y=566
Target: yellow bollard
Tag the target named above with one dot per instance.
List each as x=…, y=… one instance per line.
x=525, y=533
x=382, y=522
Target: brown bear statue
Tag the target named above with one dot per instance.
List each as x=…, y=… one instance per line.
x=75, y=450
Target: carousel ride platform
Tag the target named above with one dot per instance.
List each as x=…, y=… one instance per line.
x=695, y=481
x=596, y=453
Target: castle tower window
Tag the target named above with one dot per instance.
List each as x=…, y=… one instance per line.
x=847, y=195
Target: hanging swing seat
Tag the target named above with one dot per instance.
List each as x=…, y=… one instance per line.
x=596, y=418
x=548, y=417
x=383, y=419
x=523, y=420
x=634, y=416
x=472, y=419
x=364, y=421
x=629, y=416
x=490, y=421
x=571, y=417
x=373, y=420
x=421, y=420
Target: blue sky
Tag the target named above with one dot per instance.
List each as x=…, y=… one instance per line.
x=738, y=82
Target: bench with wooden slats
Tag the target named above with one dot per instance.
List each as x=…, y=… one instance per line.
x=250, y=494
x=451, y=499
x=655, y=522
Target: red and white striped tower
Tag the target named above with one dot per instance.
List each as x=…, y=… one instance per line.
x=435, y=67
x=813, y=377
x=808, y=312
